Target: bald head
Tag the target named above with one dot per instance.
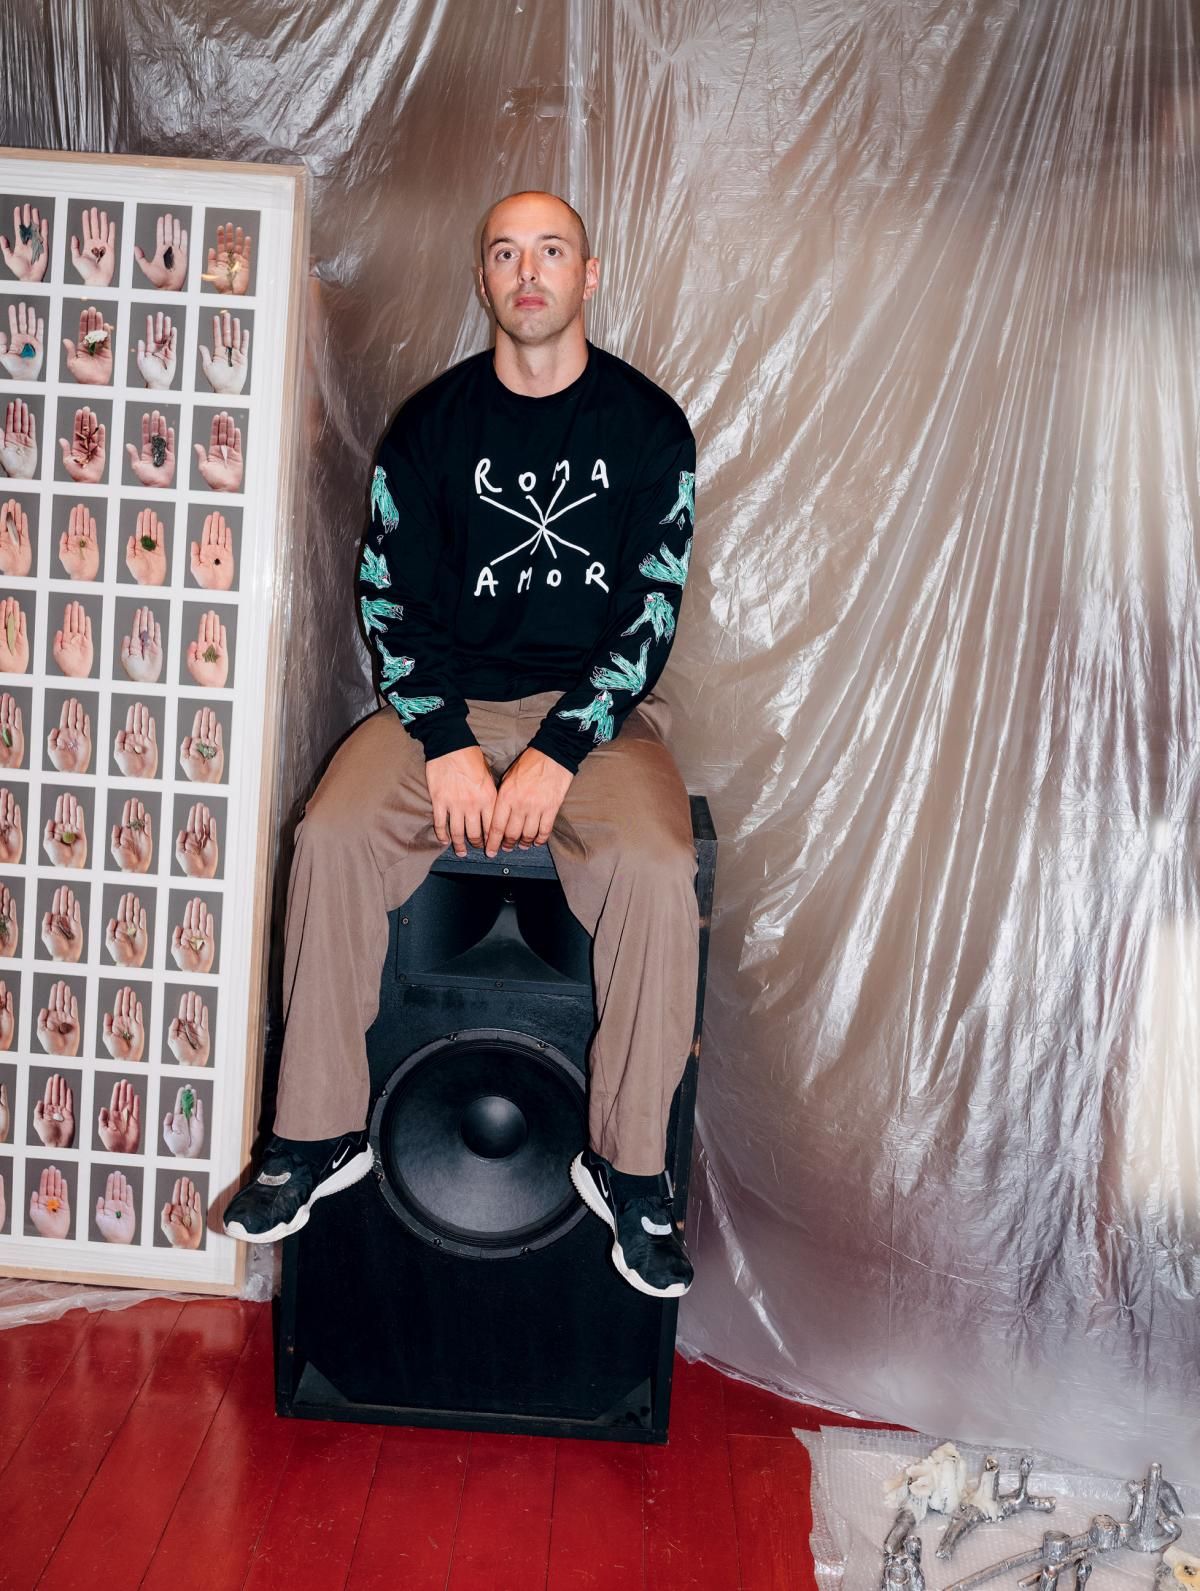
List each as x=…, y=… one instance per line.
x=519, y=203
x=536, y=273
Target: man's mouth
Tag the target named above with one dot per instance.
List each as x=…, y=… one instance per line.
x=530, y=301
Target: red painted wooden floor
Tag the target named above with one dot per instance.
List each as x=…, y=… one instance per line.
x=141, y=1449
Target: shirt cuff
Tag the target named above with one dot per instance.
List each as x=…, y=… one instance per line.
x=438, y=740
x=551, y=746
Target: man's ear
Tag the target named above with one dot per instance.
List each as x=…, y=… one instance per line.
x=591, y=278
x=483, y=292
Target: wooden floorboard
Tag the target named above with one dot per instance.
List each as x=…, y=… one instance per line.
x=308, y=1539
x=597, y=1528
x=407, y=1533
x=503, y=1536
x=691, y=1535
x=58, y=1459
x=232, y=1484
x=32, y=1359
x=140, y=1451
x=122, y=1514
x=771, y=1479
x=750, y=1411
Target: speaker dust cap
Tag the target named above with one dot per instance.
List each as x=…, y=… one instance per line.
x=475, y=1133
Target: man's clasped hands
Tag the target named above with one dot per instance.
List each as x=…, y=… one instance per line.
x=468, y=805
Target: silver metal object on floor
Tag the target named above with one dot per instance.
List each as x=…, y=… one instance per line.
x=902, y=1556
x=1051, y=1574
x=1153, y=1513
x=987, y=1504
x=1152, y=1525
x=1056, y=1551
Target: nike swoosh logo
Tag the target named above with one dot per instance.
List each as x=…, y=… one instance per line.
x=654, y=1229
x=275, y=1181
x=337, y=1162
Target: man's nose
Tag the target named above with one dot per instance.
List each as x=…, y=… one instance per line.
x=528, y=267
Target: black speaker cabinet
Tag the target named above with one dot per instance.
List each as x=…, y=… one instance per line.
x=463, y=1283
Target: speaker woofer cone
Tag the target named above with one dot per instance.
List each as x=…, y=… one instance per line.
x=475, y=1134
x=493, y=1127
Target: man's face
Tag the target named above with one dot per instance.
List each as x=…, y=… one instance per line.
x=534, y=273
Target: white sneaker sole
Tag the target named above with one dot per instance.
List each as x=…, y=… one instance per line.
x=345, y=1176
x=586, y=1189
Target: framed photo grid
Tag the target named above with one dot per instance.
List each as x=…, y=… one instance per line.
x=149, y=345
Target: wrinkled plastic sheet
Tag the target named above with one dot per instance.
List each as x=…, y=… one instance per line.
x=850, y=1469
x=924, y=277
x=30, y=1303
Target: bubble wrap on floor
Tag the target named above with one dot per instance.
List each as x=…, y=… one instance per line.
x=850, y=1518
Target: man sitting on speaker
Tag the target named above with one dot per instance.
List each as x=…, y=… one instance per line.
x=531, y=524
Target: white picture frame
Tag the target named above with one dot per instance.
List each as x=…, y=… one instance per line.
x=270, y=202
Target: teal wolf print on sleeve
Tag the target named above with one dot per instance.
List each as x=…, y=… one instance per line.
x=410, y=707
x=624, y=676
x=664, y=565
x=658, y=614
x=381, y=501
x=597, y=715
x=392, y=669
x=375, y=610
x=373, y=570
x=685, y=502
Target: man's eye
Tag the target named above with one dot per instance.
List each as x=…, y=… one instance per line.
x=553, y=249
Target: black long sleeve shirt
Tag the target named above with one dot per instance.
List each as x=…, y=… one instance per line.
x=520, y=545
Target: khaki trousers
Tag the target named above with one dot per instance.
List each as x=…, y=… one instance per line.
x=622, y=845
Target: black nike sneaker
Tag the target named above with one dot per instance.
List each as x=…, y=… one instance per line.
x=647, y=1247
x=293, y=1176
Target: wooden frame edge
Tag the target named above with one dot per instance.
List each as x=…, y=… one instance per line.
x=151, y=1284
x=259, y=168
x=288, y=499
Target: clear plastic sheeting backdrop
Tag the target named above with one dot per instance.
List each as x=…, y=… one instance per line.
x=924, y=277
